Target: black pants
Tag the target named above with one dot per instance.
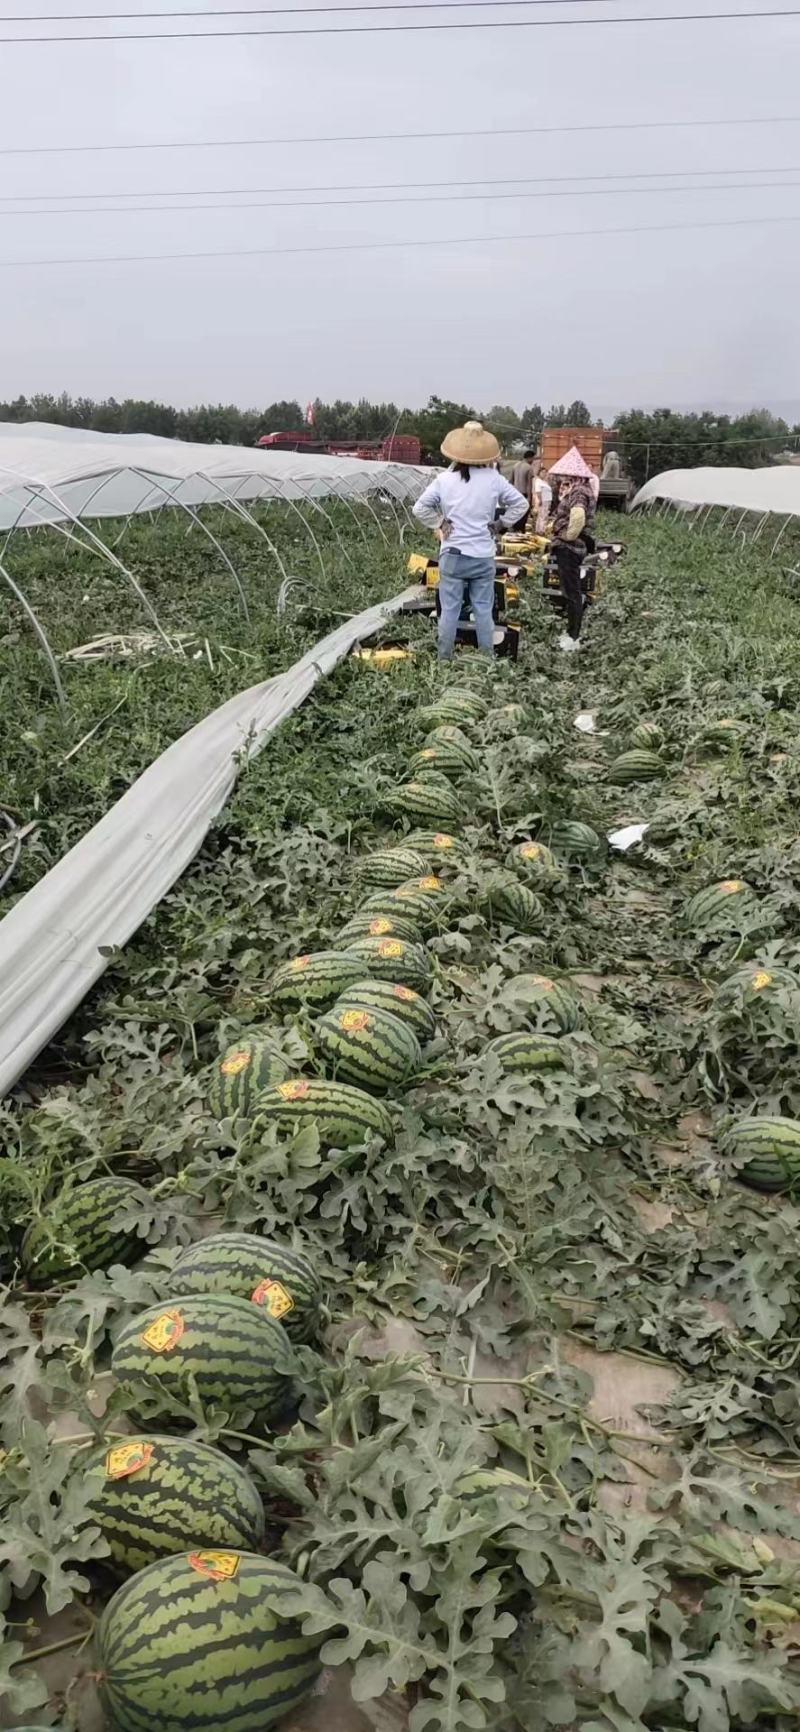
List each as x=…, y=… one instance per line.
x=569, y=571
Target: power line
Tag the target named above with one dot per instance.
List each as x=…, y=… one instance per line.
x=493, y=241
x=405, y=29
x=392, y=137
x=277, y=11
x=393, y=186
x=407, y=198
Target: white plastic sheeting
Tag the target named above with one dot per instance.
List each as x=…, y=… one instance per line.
x=56, y=474
x=776, y=489
x=50, y=943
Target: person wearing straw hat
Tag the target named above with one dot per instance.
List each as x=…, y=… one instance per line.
x=572, y=538
x=462, y=505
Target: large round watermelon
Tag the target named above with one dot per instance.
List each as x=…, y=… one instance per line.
x=80, y=1231
x=243, y=1070
x=281, y=1279
x=153, y=1496
x=204, y=1643
x=226, y=1350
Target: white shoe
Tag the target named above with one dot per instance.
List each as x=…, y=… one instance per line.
x=568, y=643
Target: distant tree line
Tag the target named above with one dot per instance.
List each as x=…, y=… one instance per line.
x=647, y=441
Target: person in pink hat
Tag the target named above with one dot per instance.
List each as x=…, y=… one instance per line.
x=572, y=537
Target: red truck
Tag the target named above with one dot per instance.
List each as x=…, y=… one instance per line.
x=398, y=448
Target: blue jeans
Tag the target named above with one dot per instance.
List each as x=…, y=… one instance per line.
x=459, y=577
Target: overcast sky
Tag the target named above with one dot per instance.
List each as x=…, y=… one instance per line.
x=698, y=315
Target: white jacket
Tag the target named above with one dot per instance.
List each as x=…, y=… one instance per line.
x=466, y=509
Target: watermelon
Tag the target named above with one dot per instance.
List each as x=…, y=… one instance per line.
x=512, y=902
x=535, y=862
x=281, y=1279
x=772, y=1148
x=341, y=1113
x=390, y=866
x=424, y=899
x=449, y=734
x=439, y=847
x=243, y=1070
x=575, y=839
x=647, y=736
x=77, y=1234
x=550, y=1004
x=156, y=1495
x=371, y=1047
x=457, y=706
x=726, y=732
x=430, y=802
x=640, y=765
x=755, y=982
x=454, y=760
x=384, y=920
x=391, y=959
x=527, y=1051
x=203, y=1642
x=720, y=904
x=315, y=979
x=227, y=1349
x=401, y=1001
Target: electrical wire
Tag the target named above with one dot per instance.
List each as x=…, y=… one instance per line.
x=407, y=198
x=393, y=137
x=437, y=242
x=276, y=11
x=397, y=185
x=405, y=29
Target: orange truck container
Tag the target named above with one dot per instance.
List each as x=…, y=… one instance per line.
x=556, y=441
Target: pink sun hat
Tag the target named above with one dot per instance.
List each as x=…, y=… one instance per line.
x=572, y=463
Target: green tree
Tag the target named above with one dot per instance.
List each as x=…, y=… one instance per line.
x=578, y=415
x=432, y=423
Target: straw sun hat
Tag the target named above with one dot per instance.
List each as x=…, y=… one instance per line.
x=471, y=444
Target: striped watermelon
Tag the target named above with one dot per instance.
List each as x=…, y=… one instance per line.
x=453, y=759
x=425, y=899
x=239, y=1075
x=549, y=1003
x=225, y=1348
x=204, y=1643
x=391, y=959
x=371, y=1047
x=439, y=847
x=725, y=732
x=390, y=866
x=757, y=982
x=512, y=902
x=429, y=802
x=640, y=765
x=400, y=1001
x=384, y=920
x=449, y=734
x=281, y=1279
x=575, y=839
x=341, y=1113
x=315, y=979
x=456, y=707
x=156, y=1495
x=78, y=1233
x=721, y=904
x=535, y=862
x=647, y=736
x=527, y=1051
x=772, y=1148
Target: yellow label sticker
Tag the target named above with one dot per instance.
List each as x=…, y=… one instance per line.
x=299, y=962
x=731, y=886
x=128, y=1458
x=218, y=1566
x=294, y=1090
x=440, y=840
x=164, y=1332
x=405, y=992
x=428, y=752
x=760, y=980
x=236, y=1061
x=391, y=947
x=430, y=884
x=274, y=1298
x=531, y=851
x=542, y=981
x=379, y=926
x=354, y=1020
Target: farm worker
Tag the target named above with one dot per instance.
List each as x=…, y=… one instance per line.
x=461, y=505
x=572, y=538
x=522, y=478
x=541, y=497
